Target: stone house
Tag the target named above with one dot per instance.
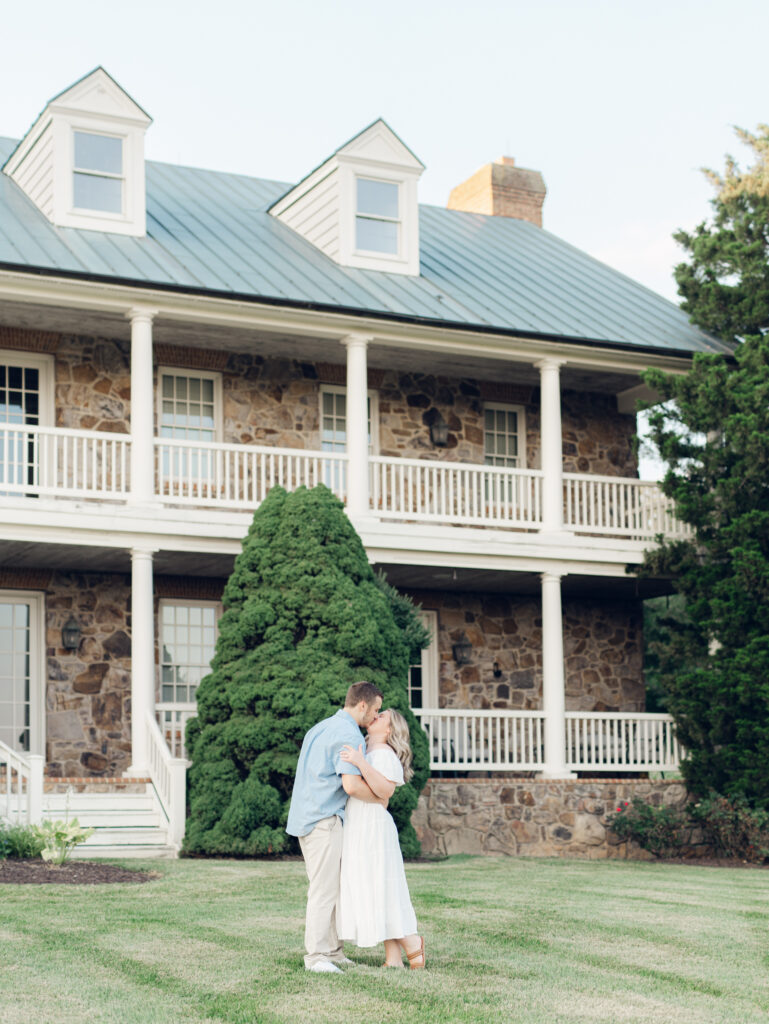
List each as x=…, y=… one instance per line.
x=174, y=342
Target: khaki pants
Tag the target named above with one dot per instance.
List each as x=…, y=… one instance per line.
x=322, y=852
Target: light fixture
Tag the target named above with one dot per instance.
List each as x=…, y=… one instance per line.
x=439, y=431
x=462, y=650
x=70, y=634
x=496, y=670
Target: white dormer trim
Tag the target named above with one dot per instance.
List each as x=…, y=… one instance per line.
x=43, y=164
x=323, y=206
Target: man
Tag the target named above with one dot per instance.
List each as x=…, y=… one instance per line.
x=321, y=787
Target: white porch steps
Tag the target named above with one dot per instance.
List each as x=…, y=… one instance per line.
x=127, y=824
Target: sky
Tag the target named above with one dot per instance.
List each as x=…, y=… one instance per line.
x=619, y=104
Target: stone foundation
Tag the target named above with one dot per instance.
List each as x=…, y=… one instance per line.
x=536, y=817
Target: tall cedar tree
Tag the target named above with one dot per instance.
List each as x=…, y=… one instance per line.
x=304, y=618
x=714, y=665
x=725, y=281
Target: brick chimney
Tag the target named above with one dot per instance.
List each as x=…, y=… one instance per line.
x=502, y=190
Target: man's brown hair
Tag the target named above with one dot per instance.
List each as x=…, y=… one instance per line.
x=362, y=691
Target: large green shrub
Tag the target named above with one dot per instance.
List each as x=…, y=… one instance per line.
x=20, y=841
x=304, y=618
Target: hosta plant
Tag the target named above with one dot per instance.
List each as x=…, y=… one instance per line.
x=60, y=838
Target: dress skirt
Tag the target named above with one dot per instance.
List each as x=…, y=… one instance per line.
x=374, y=902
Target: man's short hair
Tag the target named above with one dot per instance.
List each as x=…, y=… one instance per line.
x=363, y=691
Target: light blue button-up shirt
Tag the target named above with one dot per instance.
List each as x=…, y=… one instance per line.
x=318, y=791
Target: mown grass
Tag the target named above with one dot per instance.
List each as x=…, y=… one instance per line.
x=525, y=941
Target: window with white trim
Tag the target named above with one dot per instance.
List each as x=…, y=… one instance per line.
x=423, y=677
x=188, y=632
x=377, y=216
x=333, y=420
x=26, y=399
x=98, y=173
x=189, y=404
x=504, y=436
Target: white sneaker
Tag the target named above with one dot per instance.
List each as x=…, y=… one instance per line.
x=324, y=967
x=345, y=962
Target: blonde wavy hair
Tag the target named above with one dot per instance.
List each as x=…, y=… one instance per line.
x=399, y=741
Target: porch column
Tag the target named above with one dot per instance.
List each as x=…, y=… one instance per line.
x=552, y=445
x=553, y=682
x=142, y=407
x=357, y=425
x=142, y=656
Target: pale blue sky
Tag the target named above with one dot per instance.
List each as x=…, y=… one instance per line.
x=617, y=103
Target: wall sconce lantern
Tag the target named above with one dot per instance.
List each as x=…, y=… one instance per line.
x=462, y=650
x=497, y=670
x=439, y=431
x=70, y=634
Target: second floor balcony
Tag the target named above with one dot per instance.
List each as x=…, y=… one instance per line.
x=64, y=464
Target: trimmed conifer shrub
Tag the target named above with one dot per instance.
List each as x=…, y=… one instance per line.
x=305, y=617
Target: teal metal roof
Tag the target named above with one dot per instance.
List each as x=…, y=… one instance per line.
x=209, y=232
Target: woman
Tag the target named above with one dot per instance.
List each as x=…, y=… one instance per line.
x=374, y=903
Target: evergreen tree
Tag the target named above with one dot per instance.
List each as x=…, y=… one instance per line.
x=714, y=664
x=305, y=617
x=725, y=282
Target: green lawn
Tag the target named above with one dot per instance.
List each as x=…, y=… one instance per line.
x=530, y=941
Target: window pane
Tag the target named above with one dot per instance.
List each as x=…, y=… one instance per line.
x=376, y=235
x=379, y=198
x=94, y=193
x=98, y=153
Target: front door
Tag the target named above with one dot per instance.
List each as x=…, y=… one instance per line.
x=21, y=685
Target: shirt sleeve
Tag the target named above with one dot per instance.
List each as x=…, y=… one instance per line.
x=386, y=762
x=354, y=739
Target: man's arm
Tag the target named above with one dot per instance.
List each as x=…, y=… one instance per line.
x=355, y=785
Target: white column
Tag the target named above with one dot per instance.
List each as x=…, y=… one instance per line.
x=142, y=408
x=552, y=445
x=142, y=657
x=357, y=426
x=553, y=681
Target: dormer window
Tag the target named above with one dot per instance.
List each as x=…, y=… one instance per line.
x=359, y=207
x=377, y=217
x=98, y=173
x=82, y=161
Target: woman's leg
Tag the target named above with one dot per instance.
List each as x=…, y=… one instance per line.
x=412, y=944
x=393, y=956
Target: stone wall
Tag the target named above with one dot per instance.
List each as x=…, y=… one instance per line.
x=88, y=697
x=536, y=818
x=602, y=651
x=276, y=402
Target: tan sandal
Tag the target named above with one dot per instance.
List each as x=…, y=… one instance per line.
x=411, y=957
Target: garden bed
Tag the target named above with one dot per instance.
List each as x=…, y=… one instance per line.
x=82, y=872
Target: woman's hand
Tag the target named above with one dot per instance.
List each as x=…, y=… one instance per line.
x=353, y=756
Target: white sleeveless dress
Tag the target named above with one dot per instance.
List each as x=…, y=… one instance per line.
x=374, y=902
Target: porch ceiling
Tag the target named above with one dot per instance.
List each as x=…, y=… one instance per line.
x=286, y=346
x=85, y=558
x=439, y=578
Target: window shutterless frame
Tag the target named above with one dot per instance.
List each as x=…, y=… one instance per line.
x=504, y=435
x=333, y=419
x=378, y=217
x=22, y=679
x=98, y=173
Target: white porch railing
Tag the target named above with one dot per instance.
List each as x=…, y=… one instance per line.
x=21, y=786
x=169, y=775
x=172, y=720
x=455, y=492
x=605, y=741
x=60, y=462
x=238, y=475
x=66, y=463
x=618, y=506
x=468, y=740
x=497, y=740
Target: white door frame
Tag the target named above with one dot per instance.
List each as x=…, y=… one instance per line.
x=36, y=602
